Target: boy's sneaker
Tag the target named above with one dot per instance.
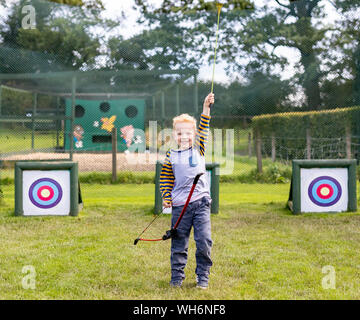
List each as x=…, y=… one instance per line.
x=202, y=285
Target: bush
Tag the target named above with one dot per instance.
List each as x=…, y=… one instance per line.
x=290, y=129
x=6, y=181
x=271, y=174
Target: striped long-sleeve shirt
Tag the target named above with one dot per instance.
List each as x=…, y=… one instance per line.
x=167, y=178
x=181, y=166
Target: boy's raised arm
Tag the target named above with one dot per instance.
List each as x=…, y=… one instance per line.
x=204, y=125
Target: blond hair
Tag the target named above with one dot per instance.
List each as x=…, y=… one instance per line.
x=184, y=118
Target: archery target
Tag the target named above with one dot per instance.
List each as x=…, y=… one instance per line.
x=324, y=189
x=46, y=192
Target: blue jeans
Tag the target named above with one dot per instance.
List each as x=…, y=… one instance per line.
x=197, y=215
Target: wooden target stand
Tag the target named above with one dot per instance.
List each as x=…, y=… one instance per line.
x=47, y=189
x=323, y=186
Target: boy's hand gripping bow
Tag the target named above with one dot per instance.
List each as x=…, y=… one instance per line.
x=173, y=231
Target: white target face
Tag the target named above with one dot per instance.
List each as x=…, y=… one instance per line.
x=46, y=192
x=324, y=189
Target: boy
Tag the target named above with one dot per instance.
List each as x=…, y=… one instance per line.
x=178, y=172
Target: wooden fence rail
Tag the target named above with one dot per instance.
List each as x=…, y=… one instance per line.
x=259, y=141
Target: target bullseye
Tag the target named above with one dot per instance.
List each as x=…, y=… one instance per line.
x=324, y=191
x=45, y=193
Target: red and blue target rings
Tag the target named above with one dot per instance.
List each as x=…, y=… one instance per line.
x=324, y=191
x=45, y=193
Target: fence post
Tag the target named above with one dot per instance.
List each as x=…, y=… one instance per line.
x=158, y=198
x=258, y=151
x=114, y=153
x=273, y=147
x=35, y=97
x=162, y=116
x=0, y=98
x=177, y=99
x=153, y=107
x=348, y=141
x=153, y=138
x=58, y=122
x=73, y=103
x=308, y=144
x=249, y=144
x=196, y=102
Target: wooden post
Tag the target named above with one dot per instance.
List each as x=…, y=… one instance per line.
x=57, y=122
x=72, y=124
x=258, y=151
x=33, y=121
x=162, y=116
x=0, y=98
x=308, y=144
x=177, y=99
x=348, y=141
x=249, y=144
x=196, y=103
x=273, y=148
x=153, y=139
x=158, y=199
x=114, y=154
x=153, y=108
x=223, y=138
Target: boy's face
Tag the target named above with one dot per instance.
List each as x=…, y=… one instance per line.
x=184, y=134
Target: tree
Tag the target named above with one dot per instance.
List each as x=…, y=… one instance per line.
x=89, y=4
x=340, y=62
x=253, y=34
x=303, y=36
x=152, y=49
x=180, y=44
x=345, y=66
x=59, y=42
x=262, y=93
x=337, y=93
x=356, y=85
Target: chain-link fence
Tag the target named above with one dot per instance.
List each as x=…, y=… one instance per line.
x=70, y=85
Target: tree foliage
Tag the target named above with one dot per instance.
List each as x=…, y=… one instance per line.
x=61, y=39
x=344, y=62
x=90, y=4
x=252, y=35
x=181, y=34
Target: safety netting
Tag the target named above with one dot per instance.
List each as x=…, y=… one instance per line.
x=73, y=71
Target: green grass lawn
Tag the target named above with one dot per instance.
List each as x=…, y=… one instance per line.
x=21, y=140
x=261, y=250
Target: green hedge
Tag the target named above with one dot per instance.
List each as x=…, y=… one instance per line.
x=270, y=174
x=290, y=128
